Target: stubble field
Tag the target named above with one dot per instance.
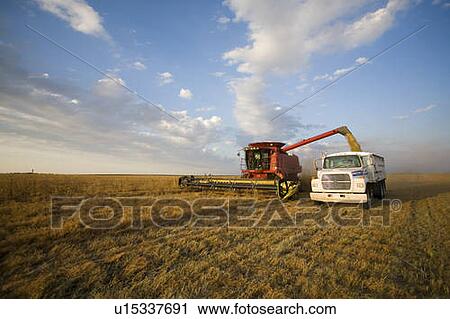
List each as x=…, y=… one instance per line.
x=410, y=258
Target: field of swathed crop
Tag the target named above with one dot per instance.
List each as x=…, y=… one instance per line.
x=408, y=259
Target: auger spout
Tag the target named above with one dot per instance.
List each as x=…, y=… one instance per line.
x=351, y=139
x=343, y=130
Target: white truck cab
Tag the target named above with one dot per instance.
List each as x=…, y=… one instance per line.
x=349, y=177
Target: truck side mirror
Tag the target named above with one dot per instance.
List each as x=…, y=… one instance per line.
x=317, y=164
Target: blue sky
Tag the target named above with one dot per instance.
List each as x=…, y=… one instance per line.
x=224, y=69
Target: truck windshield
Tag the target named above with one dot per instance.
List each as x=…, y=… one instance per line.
x=345, y=161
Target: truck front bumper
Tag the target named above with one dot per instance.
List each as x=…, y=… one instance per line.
x=350, y=198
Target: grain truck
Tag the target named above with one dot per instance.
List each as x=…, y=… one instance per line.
x=349, y=177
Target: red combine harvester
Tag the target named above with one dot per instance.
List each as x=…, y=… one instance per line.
x=268, y=166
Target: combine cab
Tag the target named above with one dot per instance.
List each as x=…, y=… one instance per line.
x=267, y=166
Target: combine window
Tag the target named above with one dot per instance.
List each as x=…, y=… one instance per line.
x=257, y=159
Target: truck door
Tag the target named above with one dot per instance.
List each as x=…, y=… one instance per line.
x=369, y=166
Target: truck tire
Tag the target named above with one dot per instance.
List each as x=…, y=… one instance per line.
x=370, y=196
x=379, y=191
x=382, y=189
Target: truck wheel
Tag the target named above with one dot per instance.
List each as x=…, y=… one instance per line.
x=382, y=190
x=378, y=192
x=370, y=196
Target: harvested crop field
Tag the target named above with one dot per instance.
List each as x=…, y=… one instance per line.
x=410, y=258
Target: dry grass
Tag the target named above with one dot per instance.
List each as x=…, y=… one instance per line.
x=409, y=259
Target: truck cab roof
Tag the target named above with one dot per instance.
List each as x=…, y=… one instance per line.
x=352, y=153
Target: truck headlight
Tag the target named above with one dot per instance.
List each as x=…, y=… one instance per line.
x=360, y=185
x=315, y=183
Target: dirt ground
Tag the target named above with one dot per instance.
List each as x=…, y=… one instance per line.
x=409, y=258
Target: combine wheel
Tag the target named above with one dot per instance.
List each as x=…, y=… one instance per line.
x=286, y=189
x=282, y=188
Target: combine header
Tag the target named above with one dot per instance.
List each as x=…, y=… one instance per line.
x=268, y=166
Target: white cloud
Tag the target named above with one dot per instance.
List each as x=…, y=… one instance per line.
x=361, y=60
x=165, y=78
x=282, y=37
x=52, y=96
x=218, y=74
x=205, y=109
x=110, y=87
x=251, y=116
x=400, y=117
x=340, y=72
x=190, y=130
x=443, y=4
x=223, y=20
x=334, y=76
x=80, y=15
x=44, y=92
x=325, y=76
x=113, y=70
x=14, y=116
x=302, y=86
x=185, y=94
x=39, y=76
x=425, y=109
x=113, y=79
x=139, y=66
x=416, y=111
